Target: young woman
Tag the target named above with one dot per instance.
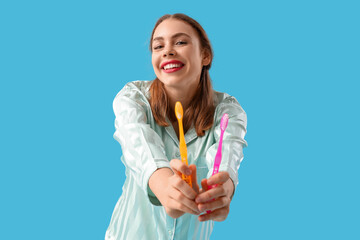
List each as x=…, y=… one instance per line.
x=156, y=203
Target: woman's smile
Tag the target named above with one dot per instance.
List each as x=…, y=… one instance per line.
x=172, y=66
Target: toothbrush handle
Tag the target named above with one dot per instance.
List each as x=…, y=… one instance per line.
x=186, y=178
x=216, y=164
x=215, y=171
x=218, y=157
x=216, y=167
x=183, y=153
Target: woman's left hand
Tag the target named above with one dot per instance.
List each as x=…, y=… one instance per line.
x=217, y=200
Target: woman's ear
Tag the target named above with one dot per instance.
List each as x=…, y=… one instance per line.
x=206, y=58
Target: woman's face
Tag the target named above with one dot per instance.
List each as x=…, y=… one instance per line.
x=177, y=58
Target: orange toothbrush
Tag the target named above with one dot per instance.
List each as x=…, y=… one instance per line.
x=183, y=150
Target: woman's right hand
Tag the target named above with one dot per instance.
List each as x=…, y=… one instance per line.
x=173, y=192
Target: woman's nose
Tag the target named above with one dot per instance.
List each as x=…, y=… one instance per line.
x=169, y=52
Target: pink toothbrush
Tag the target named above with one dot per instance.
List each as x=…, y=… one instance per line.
x=223, y=124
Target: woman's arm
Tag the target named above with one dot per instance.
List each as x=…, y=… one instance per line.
x=173, y=192
x=142, y=148
x=217, y=200
x=145, y=159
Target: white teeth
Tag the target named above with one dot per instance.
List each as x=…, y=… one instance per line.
x=172, y=65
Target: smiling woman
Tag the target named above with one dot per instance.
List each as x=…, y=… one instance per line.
x=182, y=41
x=156, y=202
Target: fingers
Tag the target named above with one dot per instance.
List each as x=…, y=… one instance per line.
x=179, y=167
x=211, y=194
x=216, y=215
x=180, y=202
x=219, y=178
x=181, y=186
x=195, y=186
x=214, y=198
x=182, y=196
x=215, y=204
x=204, y=184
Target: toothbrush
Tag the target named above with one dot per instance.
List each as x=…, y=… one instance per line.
x=223, y=124
x=183, y=149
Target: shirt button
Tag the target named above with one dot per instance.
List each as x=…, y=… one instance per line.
x=170, y=232
x=177, y=155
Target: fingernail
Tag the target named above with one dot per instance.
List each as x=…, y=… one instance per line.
x=188, y=172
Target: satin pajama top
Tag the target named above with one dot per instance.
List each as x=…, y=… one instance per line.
x=146, y=146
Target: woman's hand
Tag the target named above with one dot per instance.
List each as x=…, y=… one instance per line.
x=173, y=192
x=217, y=200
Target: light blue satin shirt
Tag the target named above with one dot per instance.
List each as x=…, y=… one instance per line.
x=146, y=146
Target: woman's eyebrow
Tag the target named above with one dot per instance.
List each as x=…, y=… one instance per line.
x=173, y=36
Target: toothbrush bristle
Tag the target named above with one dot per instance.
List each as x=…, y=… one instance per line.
x=224, y=121
x=178, y=110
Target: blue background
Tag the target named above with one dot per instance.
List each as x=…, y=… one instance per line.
x=293, y=66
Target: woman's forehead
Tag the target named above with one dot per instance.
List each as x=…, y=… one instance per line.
x=171, y=27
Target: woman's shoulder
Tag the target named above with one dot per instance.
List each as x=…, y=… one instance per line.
x=138, y=90
x=133, y=95
x=225, y=103
x=224, y=100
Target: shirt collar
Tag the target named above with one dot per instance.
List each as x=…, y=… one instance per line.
x=190, y=135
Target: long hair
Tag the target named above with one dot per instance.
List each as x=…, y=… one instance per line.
x=200, y=112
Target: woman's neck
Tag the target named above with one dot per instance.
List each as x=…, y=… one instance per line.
x=184, y=96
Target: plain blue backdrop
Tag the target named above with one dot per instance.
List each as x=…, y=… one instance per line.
x=292, y=65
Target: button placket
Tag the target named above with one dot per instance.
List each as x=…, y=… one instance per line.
x=170, y=226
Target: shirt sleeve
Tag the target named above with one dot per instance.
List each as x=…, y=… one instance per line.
x=143, y=149
x=233, y=139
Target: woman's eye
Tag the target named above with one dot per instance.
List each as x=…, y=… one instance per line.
x=180, y=42
x=157, y=47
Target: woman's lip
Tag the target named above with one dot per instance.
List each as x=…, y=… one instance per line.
x=173, y=69
x=171, y=61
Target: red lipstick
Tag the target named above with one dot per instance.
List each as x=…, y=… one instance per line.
x=170, y=70
x=171, y=61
